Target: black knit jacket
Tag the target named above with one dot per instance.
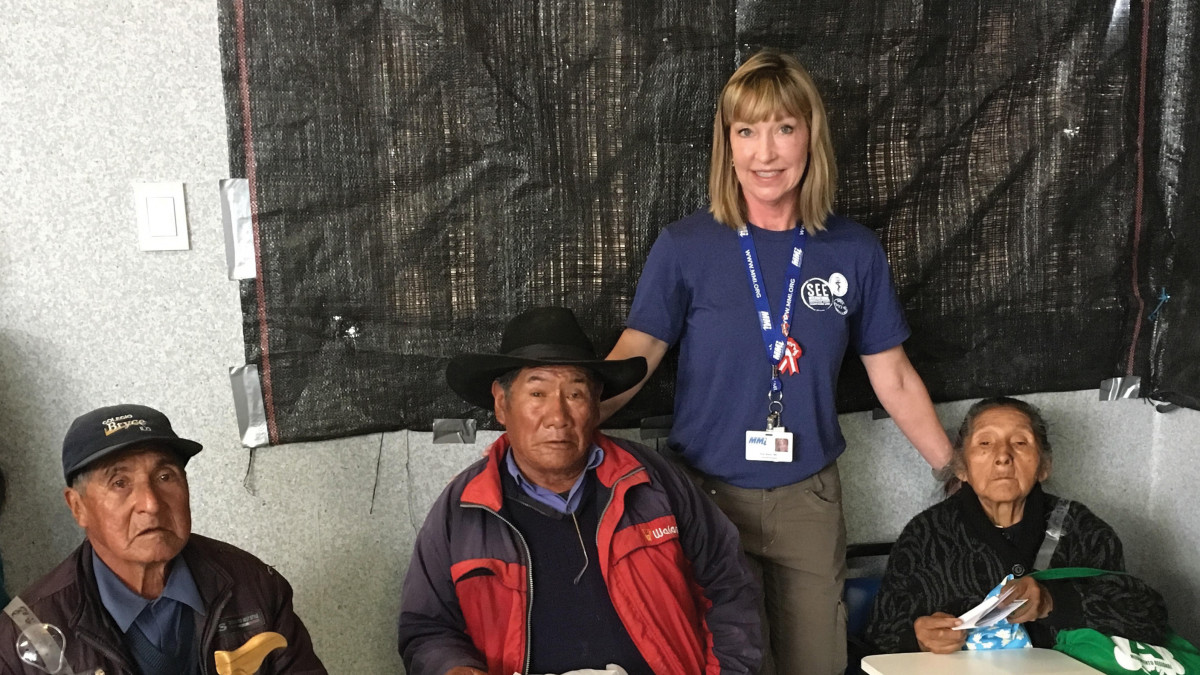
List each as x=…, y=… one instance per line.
x=949, y=556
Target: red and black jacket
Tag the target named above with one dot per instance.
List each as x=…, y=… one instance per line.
x=671, y=560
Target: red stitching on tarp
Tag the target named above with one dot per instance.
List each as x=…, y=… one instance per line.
x=1140, y=187
x=248, y=142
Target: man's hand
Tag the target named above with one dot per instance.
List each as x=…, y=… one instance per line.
x=935, y=634
x=1039, y=603
x=465, y=670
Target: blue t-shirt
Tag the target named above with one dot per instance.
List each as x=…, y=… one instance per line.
x=694, y=291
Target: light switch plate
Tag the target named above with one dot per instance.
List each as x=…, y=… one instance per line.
x=162, y=216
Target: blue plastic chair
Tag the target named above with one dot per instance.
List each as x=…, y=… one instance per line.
x=865, y=564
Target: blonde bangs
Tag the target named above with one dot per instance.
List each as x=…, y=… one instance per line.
x=764, y=97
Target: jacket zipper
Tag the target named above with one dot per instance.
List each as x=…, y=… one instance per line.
x=210, y=629
x=611, y=493
x=528, y=580
x=100, y=646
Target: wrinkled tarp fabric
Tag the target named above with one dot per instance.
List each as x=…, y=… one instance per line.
x=421, y=172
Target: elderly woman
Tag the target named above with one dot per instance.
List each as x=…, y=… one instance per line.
x=764, y=292
x=951, y=555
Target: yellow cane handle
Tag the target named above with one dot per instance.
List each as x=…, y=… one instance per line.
x=246, y=659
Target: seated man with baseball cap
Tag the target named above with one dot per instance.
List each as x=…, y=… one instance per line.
x=564, y=549
x=143, y=594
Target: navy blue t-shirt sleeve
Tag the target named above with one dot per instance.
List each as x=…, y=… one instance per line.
x=661, y=301
x=879, y=324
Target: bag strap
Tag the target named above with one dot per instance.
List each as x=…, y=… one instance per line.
x=1070, y=573
x=1054, y=532
x=38, y=635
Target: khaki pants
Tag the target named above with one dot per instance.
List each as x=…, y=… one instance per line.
x=795, y=537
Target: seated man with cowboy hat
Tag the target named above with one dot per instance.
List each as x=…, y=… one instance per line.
x=567, y=550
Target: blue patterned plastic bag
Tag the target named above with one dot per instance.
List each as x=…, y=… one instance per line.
x=1000, y=635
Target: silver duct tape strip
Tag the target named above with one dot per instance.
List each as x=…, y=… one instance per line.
x=248, y=402
x=454, y=431
x=1121, y=387
x=239, y=228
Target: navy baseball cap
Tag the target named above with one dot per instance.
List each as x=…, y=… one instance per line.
x=104, y=431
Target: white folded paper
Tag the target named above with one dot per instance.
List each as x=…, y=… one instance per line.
x=610, y=669
x=990, y=611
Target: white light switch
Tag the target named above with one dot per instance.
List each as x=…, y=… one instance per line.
x=162, y=216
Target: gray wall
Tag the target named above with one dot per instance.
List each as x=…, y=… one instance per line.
x=97, y=95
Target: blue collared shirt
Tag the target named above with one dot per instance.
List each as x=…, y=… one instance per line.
x=551, y=498
x=157, y=618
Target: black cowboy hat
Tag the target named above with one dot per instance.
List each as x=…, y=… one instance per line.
x=544, y=336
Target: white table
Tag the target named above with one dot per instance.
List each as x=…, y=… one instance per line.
x=992, y=662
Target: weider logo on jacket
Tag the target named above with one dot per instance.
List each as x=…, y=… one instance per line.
x=659, y=532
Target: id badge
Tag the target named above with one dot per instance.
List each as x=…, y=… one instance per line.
x=773, y=445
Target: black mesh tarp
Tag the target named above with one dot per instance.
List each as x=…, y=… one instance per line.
x=1167, y=345
x=423, y=171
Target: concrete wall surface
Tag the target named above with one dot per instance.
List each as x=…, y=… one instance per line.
x=96, y=95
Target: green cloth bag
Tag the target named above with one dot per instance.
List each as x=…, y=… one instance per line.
x=1116, y=655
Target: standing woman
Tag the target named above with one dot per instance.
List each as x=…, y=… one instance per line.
x=764, y=292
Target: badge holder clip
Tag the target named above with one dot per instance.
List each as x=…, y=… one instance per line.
x=774, y=444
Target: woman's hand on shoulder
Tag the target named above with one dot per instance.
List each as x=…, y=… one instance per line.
x=1038, y=603
x=935, y=633
x=633, y=343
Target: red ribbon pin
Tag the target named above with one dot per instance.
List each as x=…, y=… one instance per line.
x=787, y=365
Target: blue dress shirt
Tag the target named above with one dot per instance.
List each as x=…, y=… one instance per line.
x=554, y=500
x=159, y=619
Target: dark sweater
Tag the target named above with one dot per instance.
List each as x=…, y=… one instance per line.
x=182, y=660
x=574, y=624
x=949, y=556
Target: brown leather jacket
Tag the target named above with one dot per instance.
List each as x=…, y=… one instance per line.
x=243, y=597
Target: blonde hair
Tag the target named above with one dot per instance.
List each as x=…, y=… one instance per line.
x=769, y=84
